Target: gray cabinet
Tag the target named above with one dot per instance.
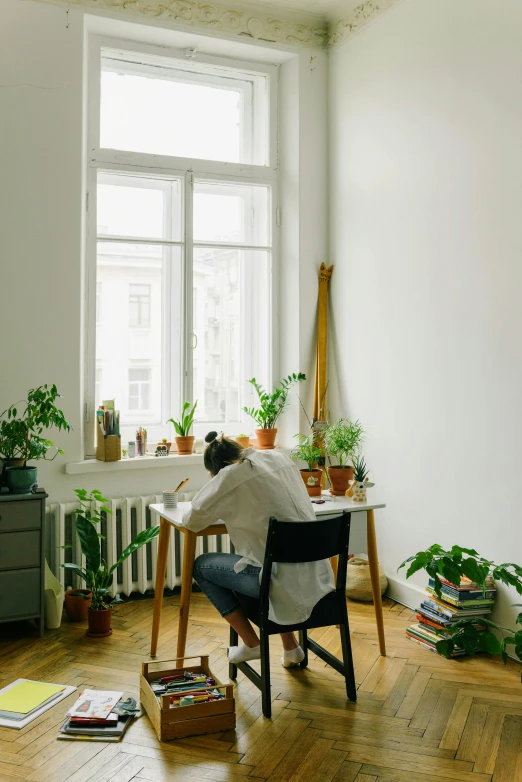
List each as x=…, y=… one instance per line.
x=22, y=527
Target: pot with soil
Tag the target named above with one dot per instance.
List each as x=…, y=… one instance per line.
x=340, y=478
x=20, y=480
x=184, y=445
x=312, y=481
x=99, y=622
x=266, y=439
x=77, y=603
x=243, y=440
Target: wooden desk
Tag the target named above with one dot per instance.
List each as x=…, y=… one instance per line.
x=173, y=518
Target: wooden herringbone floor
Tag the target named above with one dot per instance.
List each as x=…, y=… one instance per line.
x=419, y=718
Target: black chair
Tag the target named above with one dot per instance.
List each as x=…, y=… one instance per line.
x=301, y=541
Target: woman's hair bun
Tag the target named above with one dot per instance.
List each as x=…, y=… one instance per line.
x=210, y=437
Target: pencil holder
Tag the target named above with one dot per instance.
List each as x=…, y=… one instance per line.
x=108, y=447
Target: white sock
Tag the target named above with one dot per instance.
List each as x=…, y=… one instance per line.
x=243, y=653
x=293, y=657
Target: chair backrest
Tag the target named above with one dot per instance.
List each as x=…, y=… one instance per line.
x=306, y=541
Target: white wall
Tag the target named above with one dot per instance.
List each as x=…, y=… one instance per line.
x=41, y=243
x=426, y=188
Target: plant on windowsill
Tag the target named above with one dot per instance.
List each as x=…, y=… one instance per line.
x=271, y=405
x=308, y=451
x=21, y=428
x=472, y=634
x=184, y=441
x=360, y=481
x=342, y=440
x=97, y=574
x=243, y=440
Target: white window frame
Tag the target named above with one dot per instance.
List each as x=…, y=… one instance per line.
x=118, y=161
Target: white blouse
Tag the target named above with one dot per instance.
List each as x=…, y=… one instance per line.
x=244, y=496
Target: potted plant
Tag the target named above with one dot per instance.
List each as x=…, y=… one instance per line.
x=243, y=440
x=165, y=441
x=342, y=440
x=184, y=441
x=360, y=481
x=471, y=634
x=271, y=405
x=308, y=451
x=21, y=428
x=77, y=602
x=97, y=574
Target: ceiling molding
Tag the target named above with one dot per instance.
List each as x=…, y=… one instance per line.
x=205, y=15
x=362, y=15
x=246, y=21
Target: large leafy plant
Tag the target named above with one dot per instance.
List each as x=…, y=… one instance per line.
x=473, y=634
x=97, y=574
x=182, y=427
x=271, y=405
x=307, y=450
x=343, y=440
x=22, y=425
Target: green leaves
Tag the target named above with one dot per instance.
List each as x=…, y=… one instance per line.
x=89, y=542
x=21, y=427
x=360, y=470
x=144, y=537
x=271, y=405
x=182, y=427
x=307, y=450
x=343, y=440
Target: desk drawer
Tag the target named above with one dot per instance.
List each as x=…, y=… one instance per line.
x=20, y=515
x=19, y=593
x=19, y=550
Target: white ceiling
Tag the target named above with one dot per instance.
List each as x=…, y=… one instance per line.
x=326, y=8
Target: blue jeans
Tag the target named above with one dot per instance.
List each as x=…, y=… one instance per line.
x=216, y=576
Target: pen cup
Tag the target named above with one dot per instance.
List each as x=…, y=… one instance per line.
x=131, y=446
x=170, y=499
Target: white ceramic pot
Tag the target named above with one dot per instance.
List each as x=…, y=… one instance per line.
x=358, y=489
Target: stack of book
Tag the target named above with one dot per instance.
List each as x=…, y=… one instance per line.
x=435, y=615
x=24, y=700
x=98, y=715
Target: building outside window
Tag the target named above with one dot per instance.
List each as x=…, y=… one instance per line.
x=185, y=255
x=139, y=305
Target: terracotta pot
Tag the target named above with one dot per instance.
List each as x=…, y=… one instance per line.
x=244, y=442
x=99, y=623
x=312, y=481
x=76, y=606
x=185, y=445
x=339, y=477
x=266, y=438
x=169, y=445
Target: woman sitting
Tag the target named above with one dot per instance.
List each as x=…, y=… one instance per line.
x=247, y=487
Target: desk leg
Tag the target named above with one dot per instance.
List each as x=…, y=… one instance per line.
x=161, y=570
x=373, y=561
x=189, y=552
x=334, y=563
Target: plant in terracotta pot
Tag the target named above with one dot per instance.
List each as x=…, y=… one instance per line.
x=308, y=451
x=77, y=603
x=271, y=405
x=97, y=574
x=342, y=440
x=184, y=441
x=243, y=440
x=166, y=442
x=21, y=429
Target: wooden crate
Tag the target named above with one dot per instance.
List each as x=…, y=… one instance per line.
x=176, y=722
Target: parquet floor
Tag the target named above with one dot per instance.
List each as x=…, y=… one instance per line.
x=419, y=718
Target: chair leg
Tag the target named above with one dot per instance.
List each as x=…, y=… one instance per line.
x=303, y=643
x=232, y=669
x=349, y=676
x=265, y=674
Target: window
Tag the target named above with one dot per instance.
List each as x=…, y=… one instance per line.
x=98, y=386
x=139, y=305
x=139, y=388
x=98, y=302
x=181, y=234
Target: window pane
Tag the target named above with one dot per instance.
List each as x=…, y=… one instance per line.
x=231, y=213
x=164, y=106
x=142, y=287
x=139, y=207
x=231, y=321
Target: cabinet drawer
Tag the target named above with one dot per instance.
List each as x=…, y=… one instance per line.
x=19, y=593
x=20, y=515
x=19, y=549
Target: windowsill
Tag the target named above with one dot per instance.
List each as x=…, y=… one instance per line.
x=138, y=463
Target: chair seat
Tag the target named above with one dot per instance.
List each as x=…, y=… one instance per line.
x=325, y=613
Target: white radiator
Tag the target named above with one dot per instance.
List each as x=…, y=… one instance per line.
x=130, y=515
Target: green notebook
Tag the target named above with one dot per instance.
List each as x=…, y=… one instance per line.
x=26, y=696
